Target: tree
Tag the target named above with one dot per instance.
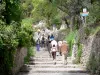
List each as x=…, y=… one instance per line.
x=94, y=15
x=12, y=11
x=27, y=7
x=44, y=10
x=72, y=8
x=2, y=9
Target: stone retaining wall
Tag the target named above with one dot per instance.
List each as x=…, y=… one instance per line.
x=91, y=46
x=86, y=50
x=19, y=59
x=94, y=59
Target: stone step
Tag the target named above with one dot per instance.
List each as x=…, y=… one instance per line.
x=61, y=73
x=57, y=70
x=46, y=62
x=43, y=53
x=48, y=57
x=57, y=66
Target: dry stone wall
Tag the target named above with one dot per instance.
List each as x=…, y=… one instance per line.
x=91, y=46
x=94, y=59
x=19, y=59
x=86, y=50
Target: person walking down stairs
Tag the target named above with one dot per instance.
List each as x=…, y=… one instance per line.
x=38, y=44
x=43, y=41
x=49, y=45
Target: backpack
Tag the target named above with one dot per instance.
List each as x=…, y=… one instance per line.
x=53, y=49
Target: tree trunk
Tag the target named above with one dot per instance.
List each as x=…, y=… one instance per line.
x=72, y=23
x=48, y=22
x=66, y=22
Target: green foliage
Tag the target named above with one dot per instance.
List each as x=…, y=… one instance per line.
x=56, y=20
x=9, y=13
x=94, y=15
x=96, y=30
x=94, y=64
x=44, y=10
x=12, y=11
x=69, y=38
x=91, y=30
x=8, y=45
x=79, y=53
x=87, y=31
x=8, y=36
x=25, y=35
x=13, y=33
x=2, y=9
x=12, y=37
x=27, y=7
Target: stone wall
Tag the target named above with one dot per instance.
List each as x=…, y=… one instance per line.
x=90, y=46
x=94, y=59
x=87, y=45
x=19, y=59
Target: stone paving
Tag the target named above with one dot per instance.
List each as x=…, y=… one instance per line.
x=42, y=64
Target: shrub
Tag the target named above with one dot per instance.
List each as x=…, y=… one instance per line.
x=69, y=38
x=11, y=37
x=79, y=53
x=94, y=63
x=87, y=31
x=8, y=45
x=25, y=35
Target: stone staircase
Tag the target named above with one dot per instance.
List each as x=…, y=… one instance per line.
x=42, y=64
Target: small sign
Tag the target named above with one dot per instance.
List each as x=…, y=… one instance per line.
x=84, y=10
x=84, y=14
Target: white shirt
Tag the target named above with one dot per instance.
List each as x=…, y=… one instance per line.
x=53, y=43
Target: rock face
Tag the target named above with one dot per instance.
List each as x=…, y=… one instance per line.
x=19, y=60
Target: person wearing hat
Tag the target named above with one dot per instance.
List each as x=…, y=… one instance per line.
x=59, y=47
x=64, y=52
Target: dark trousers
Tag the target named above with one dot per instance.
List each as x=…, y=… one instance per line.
x=38, y=47
x=54, y=55
x=43, y=43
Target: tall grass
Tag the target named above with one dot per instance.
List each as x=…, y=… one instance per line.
x=30, y=52
x=70, y=39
